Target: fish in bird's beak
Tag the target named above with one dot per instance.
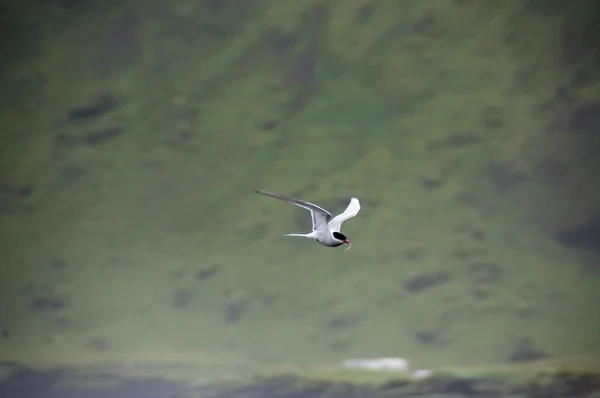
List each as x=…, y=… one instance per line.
x=346, y=241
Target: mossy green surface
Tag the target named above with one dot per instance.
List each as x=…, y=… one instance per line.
x=437, y=115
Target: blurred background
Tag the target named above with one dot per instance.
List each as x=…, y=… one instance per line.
x=132, y=133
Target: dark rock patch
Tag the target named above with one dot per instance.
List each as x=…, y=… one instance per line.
x=544, y=6
x=585, y=236
x=177, y=274
x=580, y=41
x=525, y=352
x=425, y=337
x=95, y=137
x=182, y=298
x=464, y=3
x=480, y=293
x=364, y=13
x=413, y=254
x=430, y=337
x=235, y=307
x=317, y=17
x=60, y=321
x=214, y=5
x=207, y=272
x=71, y=173
x=101, y=105
x=429, y=26
x=98, y=344
x=493, y=118
x=424, y=282
x=562, y=95
x=48, y=304
x=344, y=321
x=121, y=43
x=430, y=183
x=462, y=254
x=67, y=4
x=525, y=313
x=57, y=263
x=10, y=195
x=339, y=345
x=268, y=300
x=234, y=311
x=466, y=198
x=458, y=140
x=183, y=137
x=394, y=385
x=267, y=125
x=586, y=118
x=24, y=192
x=554, y=170
x=66, y=141
x=581, y=78
x=257, y=231
x=478, y=235
x=102, y=136
x=303, y=69
x=505, y=176
x=333, y=301
x=526, y=291
x=277, y=41
x=486, y=272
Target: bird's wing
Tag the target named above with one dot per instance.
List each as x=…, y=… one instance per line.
x=353, y=208
x=320, y=216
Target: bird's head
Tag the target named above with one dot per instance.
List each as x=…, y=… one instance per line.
x=341, y=237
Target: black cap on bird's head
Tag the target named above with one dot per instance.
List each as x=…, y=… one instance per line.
x=342, y=237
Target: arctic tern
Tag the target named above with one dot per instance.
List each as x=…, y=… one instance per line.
x=325, y=230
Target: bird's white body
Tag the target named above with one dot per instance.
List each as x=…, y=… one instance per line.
x=325, y=230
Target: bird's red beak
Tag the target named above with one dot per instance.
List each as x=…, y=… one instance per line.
x=349, y=244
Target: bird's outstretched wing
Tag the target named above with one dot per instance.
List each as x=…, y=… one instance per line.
x=353, y=208
x=320, y=216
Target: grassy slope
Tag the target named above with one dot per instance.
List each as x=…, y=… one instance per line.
x=322, y=102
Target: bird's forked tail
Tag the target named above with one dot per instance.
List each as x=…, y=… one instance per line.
x=301, y=235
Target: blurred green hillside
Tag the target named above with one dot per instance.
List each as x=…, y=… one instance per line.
x=132, y=134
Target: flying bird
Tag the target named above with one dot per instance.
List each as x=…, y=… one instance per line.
x=325, y=230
